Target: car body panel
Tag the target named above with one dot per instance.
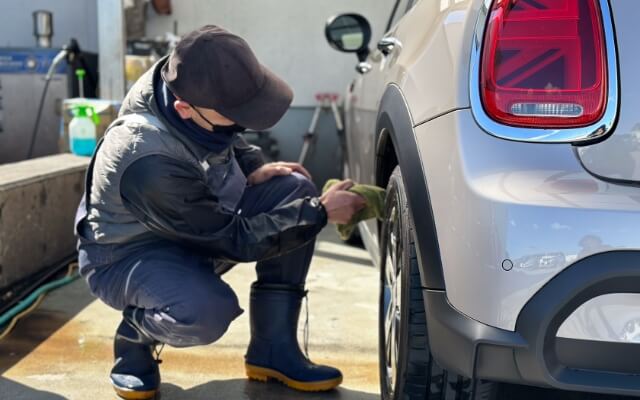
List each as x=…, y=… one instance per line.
x=361, y=110
x=618, y=156
x=361, y=116
x=524, y=253
x=394, y=123
x=411, y=66
x=361, y=146
x=509, y=215
x=370, y=240
x=432, y=65
x=495, y=202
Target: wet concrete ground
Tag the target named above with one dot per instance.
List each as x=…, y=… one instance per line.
x=63, y=349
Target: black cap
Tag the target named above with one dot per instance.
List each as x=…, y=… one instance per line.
x=213, y=68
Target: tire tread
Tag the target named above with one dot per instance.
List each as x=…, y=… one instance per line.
x=423, y=378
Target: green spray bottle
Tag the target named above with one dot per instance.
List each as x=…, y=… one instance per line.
x=82, y=130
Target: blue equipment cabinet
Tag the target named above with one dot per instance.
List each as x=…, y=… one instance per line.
x=22, y=77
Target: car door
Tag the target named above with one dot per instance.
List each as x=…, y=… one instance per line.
x=364, y=100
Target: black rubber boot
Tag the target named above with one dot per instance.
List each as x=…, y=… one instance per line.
x=135, y=374
x=274, y=352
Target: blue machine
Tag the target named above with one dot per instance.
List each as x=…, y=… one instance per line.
x=22, y=73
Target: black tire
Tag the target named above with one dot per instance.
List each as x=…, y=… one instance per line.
x=355, y=239
x=417, y=375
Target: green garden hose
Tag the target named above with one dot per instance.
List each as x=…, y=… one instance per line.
x=31, y=302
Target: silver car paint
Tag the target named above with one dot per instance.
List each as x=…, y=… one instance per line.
x=618, y=157
x=431, y=67
x=531, y=204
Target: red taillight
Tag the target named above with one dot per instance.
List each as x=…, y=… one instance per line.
x=544, y=63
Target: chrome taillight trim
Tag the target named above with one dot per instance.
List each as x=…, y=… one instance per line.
x=555, y=135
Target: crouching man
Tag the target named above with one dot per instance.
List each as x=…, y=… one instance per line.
x=175, y=196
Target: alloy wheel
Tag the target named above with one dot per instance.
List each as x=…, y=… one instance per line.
x=392, y=297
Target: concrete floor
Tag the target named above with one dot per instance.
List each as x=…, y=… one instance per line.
x=63, y=349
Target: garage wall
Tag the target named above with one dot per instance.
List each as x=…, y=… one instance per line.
x=287, y=35
x=71, y=18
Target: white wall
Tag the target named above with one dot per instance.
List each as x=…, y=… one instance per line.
x=286, y=35
x=71, y=18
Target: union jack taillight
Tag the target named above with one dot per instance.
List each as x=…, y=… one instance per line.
x=544, y=63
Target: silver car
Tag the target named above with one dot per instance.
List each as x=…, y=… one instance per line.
x=507, y=134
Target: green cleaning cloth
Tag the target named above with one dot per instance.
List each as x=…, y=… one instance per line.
x=374, y=208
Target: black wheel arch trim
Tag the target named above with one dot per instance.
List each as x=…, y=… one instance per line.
x=533, y=354
x=394, y=123
x=610, y=272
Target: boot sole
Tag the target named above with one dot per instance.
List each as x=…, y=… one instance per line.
x=129, y=394
x=264, y=374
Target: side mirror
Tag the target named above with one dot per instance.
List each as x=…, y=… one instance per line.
x=349, y=33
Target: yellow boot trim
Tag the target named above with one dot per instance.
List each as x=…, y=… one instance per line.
x=263, y=374
x=129, y=394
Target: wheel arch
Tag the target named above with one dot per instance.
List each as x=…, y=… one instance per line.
x=396, y=145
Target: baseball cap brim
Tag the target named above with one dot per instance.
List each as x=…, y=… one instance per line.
x=265, y=108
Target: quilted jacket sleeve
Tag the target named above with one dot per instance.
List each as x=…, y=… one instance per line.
x=170, y=199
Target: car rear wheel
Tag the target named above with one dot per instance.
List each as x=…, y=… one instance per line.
x=407, y=368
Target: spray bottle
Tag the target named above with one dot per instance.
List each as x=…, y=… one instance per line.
x=82, y=130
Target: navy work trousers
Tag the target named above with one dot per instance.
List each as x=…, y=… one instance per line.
x=185, y=302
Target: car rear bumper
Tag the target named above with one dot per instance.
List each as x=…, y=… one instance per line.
x=533, y=354
x=510, y=216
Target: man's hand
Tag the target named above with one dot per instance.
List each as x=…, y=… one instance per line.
x=340, y=204
x=270, y=170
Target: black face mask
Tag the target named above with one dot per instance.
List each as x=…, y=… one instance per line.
x=235, y=128
x=221, y=128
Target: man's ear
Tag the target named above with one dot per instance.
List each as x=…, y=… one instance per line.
x=183, y=108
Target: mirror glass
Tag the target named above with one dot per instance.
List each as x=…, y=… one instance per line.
x=346, y=33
